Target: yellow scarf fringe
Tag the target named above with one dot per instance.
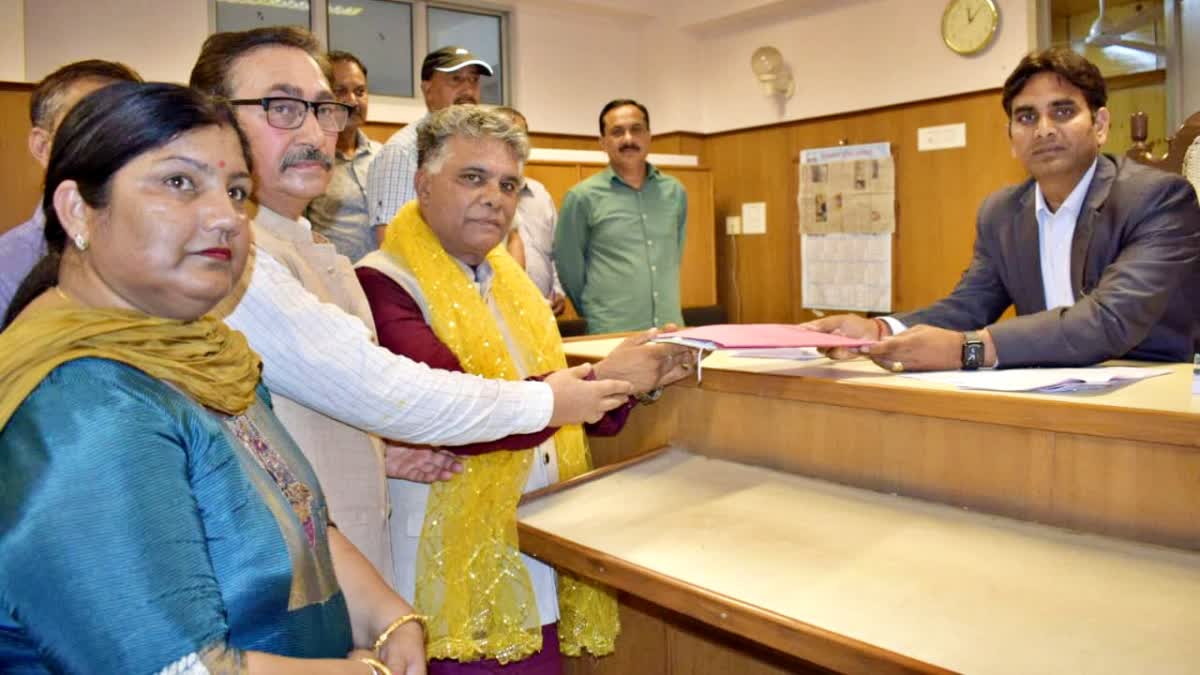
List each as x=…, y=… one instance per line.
x=211, y=363
x=470, y=578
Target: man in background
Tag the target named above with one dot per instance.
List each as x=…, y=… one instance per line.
x=25, y=244
x=620, y=233
x=535, y=222
x=449, y=75
x=340, y=214
x=1100, y=256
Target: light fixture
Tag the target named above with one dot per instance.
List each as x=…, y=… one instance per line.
x=773, y=75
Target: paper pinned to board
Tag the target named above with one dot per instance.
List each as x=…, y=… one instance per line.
x=1041, y=380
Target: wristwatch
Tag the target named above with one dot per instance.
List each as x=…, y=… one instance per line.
x=972, y=350
x=649, y=397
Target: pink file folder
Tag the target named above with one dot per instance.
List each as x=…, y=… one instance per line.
x=757, y=336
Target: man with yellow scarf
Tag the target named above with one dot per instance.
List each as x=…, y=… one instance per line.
x=443, y=291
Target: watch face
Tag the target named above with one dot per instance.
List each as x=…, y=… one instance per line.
x=968, y=25
x=972, y=355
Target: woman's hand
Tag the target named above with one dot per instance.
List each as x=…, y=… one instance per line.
x=404, y=651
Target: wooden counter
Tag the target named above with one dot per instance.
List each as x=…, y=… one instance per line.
x=1124, y=463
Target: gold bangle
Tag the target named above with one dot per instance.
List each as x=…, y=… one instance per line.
x=377, y=666
x=387, y=632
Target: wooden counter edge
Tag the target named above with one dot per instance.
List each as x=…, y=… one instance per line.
x=1073, y=417
x=781, y=633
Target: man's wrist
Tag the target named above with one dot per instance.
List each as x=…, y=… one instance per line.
x=882, y=328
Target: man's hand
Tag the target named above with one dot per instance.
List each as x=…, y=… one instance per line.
x=919, y=348
x=420, y=465
x=646, y=365
x=847, y=325
x=558, y=303
x=577, y=400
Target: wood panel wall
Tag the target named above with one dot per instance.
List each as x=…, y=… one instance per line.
x=937, y=196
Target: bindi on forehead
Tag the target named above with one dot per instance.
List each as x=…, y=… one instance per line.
x=221, y=164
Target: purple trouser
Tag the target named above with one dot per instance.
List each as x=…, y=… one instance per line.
x=546, y=662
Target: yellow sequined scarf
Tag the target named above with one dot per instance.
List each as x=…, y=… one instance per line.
x=470, y=577
x=204, y=358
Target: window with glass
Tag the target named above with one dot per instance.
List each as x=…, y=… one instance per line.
x=233, y=15
x=379, y=33
x=479, y=31
x=383, y=34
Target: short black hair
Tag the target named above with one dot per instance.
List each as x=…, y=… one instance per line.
x=45, y=103
x=617, y=103
x=338, y=56
x=1062, y=62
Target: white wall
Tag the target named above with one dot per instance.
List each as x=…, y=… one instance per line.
x=687, y=59
x=159, y=38
x=845, y=55
x=12, y=40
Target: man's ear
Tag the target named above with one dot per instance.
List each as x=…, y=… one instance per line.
x=1101, y=123
x=73, y=212
x=40, y=141
x=421, y=183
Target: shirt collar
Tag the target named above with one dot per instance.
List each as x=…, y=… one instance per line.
x=296, y=230
x=1072, y=203
x=363, y=146
x=652, y=173
x=481, y=274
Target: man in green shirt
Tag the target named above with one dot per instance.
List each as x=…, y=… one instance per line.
x=620, y=232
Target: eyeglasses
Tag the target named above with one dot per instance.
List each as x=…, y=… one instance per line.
x=285, y=112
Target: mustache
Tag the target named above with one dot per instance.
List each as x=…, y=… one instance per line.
x=305, y=153
x=465, y=98
x=629, y=146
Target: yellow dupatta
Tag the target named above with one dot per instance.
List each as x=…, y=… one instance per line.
x=204, y=358
x=470, y=578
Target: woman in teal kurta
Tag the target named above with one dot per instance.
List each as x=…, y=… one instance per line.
x=154, y=514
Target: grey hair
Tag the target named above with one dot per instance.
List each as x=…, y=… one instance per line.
x=467, y=121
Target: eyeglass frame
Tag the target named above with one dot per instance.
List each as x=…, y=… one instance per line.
x=265, y=104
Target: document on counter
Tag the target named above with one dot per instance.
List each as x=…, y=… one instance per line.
x=782, y=353
x=1041, y=380
x=742, y=336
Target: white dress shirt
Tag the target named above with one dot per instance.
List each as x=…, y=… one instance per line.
x=1056, y=231
x=325, y=359
x=536, y=218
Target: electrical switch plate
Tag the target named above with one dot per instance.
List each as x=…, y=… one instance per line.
x=754, y=218
x=942, y=137
x=733, y=224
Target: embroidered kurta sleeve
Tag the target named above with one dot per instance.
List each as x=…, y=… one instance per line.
x=402, y=328
x=325, y=359
x=104, y=564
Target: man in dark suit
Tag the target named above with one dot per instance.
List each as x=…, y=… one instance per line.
x=1098, y=255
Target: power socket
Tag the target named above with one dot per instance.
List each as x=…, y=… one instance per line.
x=733, y=224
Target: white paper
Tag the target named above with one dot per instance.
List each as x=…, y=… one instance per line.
x=1042, y=380
x=786, y=353
x=850, y=272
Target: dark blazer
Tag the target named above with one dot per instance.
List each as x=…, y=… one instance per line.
x=1135, y=274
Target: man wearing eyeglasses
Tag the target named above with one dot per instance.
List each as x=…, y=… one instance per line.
x=301, y=309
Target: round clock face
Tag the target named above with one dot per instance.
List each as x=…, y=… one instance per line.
x=968, y=25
